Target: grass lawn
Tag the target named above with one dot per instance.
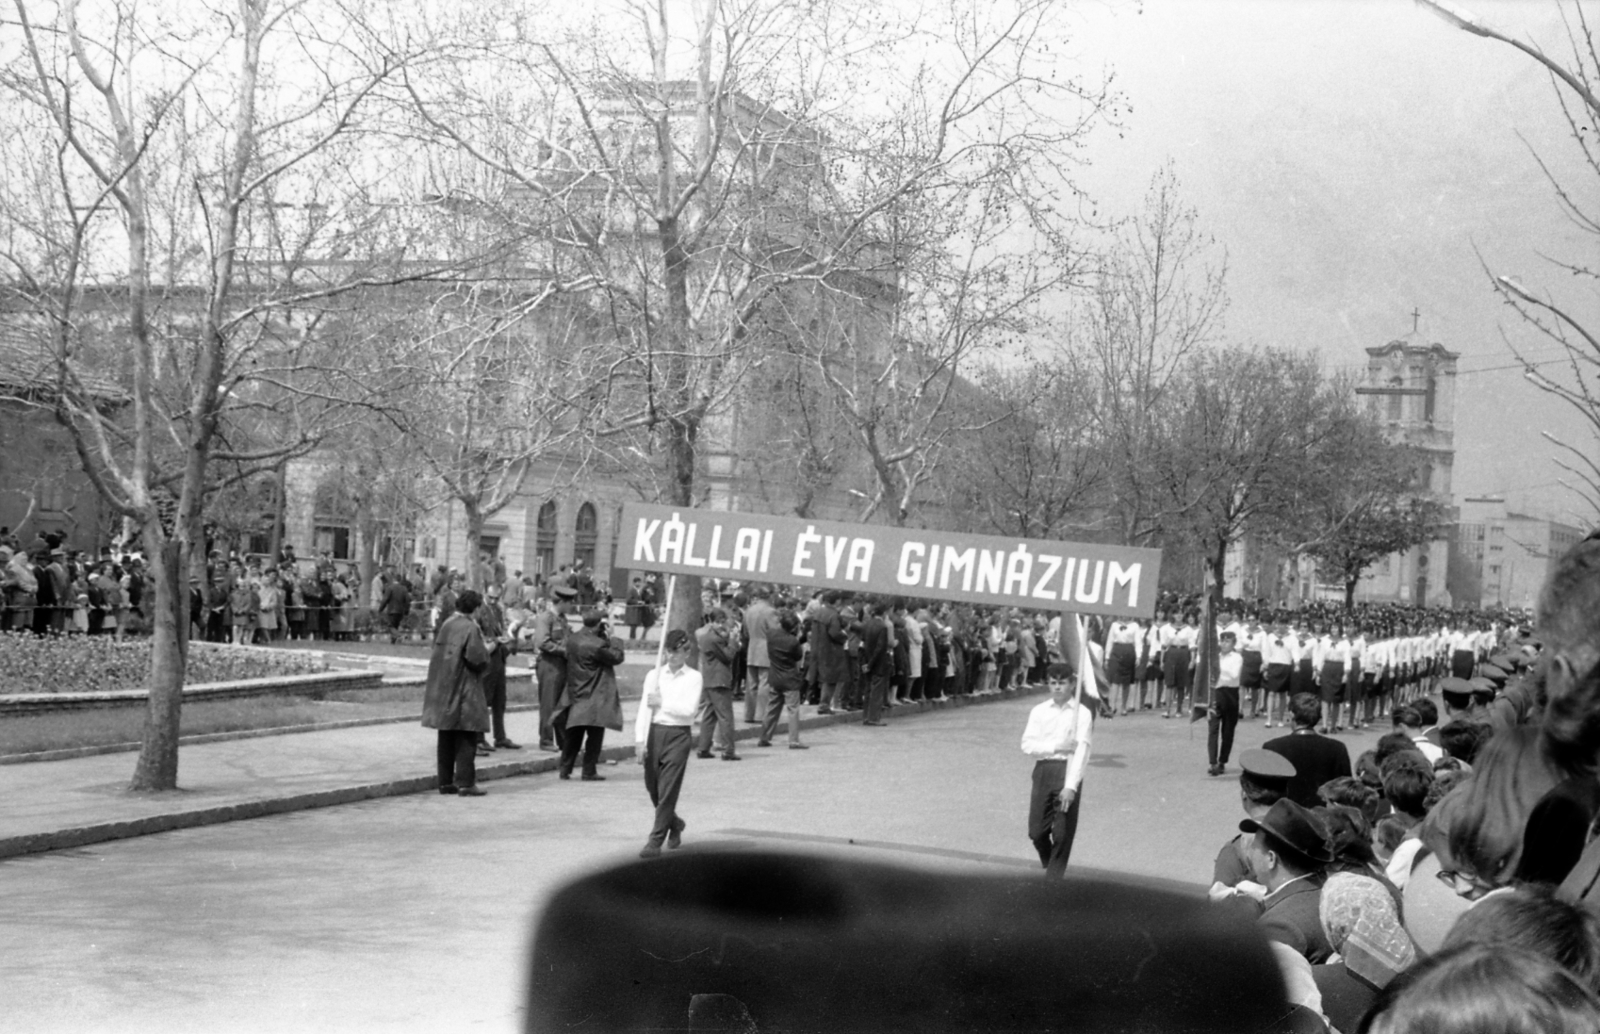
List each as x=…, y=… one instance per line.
x=27, y=734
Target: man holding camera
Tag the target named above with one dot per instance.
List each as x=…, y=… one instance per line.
x=592, y=657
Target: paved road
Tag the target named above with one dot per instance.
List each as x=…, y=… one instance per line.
x=415, y=912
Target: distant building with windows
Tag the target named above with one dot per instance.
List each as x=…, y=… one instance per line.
x=1500, y=557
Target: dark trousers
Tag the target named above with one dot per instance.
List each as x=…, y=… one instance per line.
x=458, y=750
x=774, y=704
x=1219, y=726
x=552, y=680
x=1051, y=829
x=833, y=695
x=716, y=719
x=877, y=696
x=574, y=737
x=933, y=679
x=666, y=758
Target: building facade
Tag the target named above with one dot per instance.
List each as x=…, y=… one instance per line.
x=1503, y=557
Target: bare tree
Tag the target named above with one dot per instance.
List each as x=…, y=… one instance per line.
x=1158, y=300
x=706, y=180
x=194, y=188
x=1565, y=316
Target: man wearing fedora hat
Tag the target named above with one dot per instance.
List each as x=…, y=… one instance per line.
x=1288, y=853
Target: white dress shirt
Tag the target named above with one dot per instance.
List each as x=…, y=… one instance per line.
x=680, y=698
x=1060, y=733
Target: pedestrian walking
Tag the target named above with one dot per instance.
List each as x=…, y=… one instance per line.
x=1223, y=713
x=1058, y=736
x=661, y=733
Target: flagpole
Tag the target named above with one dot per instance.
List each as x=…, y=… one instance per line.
x=666, y=622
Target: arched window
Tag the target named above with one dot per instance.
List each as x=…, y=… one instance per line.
x=1396, y=400
x=545, y=544
x=588, y=533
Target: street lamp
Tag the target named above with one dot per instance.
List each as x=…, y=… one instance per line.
x=1469, y=22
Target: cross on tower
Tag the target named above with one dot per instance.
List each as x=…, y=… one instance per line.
x=1416, y=317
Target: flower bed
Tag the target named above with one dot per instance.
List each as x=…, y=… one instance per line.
x=95, y=664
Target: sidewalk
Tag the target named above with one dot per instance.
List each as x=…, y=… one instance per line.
x=60, y=804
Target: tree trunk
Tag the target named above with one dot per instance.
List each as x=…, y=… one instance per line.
x=474, y=571
x=686, y=601
x=1350, y=592
x=168, y=607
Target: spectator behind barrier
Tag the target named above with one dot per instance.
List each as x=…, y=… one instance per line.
x=1483, y=989
x=1485, y=837
x=1534, y=918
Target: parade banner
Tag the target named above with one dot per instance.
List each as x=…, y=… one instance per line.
x=1036, y=574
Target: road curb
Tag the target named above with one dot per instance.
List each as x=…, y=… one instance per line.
x=83, y=836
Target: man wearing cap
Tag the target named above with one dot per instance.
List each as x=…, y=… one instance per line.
x=1263, y=779
x=661, y=733
x=1058, y=736
x=1287, y=854
x=550, y=646
x=1316, y=758
x=594, y=703
x=1457, y=696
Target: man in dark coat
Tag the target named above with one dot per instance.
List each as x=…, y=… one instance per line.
x=827, y=646
x=718, y=642
x=453, y=701
x=491, y=622
x=550, y=647
x=1316, y=758
x=594, y=703
x=877, y=662
x=396, y=604
x=786, y=675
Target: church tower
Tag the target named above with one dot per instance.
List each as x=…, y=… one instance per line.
x=1410, y=388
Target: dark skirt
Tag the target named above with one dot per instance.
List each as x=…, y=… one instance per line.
x=1354, y=683
x=1462, y=662
x=1332, y=682
x=1277, y=678
x=1304, y=679
x=1122, y=664
x=1250, y=669
x=1152, y=666
x=1175, y=667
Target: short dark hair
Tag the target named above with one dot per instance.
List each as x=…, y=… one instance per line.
x=1463, y=739
x=1477, y=988
x=1350, y=792
x=677, y=639
x=1428, y=710
x=1264, y=794
x=1408, y=715
x=1390, y=744
x=1406, y=786
x=1306, y=709
x=468, y=601
x=1533, y=917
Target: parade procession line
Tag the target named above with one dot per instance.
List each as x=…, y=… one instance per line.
x=74, y=802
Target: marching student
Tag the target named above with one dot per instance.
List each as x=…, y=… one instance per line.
x=663, y=740
x=1058, y=736
x=1252, y=654
x=1223, y=713
x=1279, y=653
x=1122, y=662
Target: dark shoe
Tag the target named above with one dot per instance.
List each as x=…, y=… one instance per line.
x=549, y=747
x=593, y=777
x=448, y=788
x=506, y=745
x=799, y=746
x=702, y=754
x=732, y=757
x=874, y=723
x=763, y=743
x=472, y=791
x=824, y=710
x=484, y=752
x=565, y=775
x=675, y=836
x=650, y=851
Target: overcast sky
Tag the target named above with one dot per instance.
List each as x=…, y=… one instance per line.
x=1355, y=157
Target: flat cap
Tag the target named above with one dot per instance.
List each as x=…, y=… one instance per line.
x=564, y=592
x=1453, y=686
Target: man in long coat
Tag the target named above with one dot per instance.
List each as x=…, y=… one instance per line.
x=595, y=705
x=453, y=701
x=827, y=641
x=550, y=646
